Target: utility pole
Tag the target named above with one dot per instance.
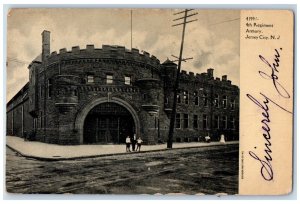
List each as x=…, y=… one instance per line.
x=130, y=29
x=173, y=115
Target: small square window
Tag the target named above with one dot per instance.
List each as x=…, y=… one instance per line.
x=127, y=80
x=109, y=79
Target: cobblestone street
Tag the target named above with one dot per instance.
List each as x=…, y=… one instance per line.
x=207, y=170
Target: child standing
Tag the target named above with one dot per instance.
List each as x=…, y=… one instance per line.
x=139, y=144
x=127, y=144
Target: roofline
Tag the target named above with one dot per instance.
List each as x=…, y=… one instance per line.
x=21, y=91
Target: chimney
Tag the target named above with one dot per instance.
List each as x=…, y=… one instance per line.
x=45, y=44
x=210, y=73
x=224, y=78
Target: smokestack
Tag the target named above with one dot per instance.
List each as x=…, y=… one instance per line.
x=45, y=44
x=210, y=73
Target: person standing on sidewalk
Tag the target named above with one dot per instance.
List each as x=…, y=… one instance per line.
x=127, y=144
x=133, y=142
x=207, y=139
x=139, y=144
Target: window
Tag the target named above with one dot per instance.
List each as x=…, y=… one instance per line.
x=41, y=91
x=186, y=97
x=109, y=78
x=195, y=123
x=196, y=101
x=34, y=123
x=177, y=120
x=40, y=122
x=127, y=80
x=166, y=100
x=232, y=104
x=232, y=123
x=204, y=122
x=178, y=98
x=216, y=122
x=185, y=121
x=50, y=88
x=224, y=122
x=217, y=100
x=224, y=102
x=205, y=99
x=90, y=79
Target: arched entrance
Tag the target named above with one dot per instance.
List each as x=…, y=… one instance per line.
x=108, y=123
x=84, y=112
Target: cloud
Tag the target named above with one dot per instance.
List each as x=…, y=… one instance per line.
x=202, y=59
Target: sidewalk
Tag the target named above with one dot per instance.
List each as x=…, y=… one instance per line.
x=43, y=151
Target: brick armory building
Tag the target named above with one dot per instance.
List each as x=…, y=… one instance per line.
x=102, y=95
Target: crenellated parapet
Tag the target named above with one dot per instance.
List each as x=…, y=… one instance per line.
x=106, y=52
x=206, y=76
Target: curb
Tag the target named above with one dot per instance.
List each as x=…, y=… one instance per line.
x=111, y=154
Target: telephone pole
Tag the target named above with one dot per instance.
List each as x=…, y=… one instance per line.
x=131, y=29
x=173, y=115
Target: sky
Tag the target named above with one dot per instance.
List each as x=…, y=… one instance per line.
x=213, y=40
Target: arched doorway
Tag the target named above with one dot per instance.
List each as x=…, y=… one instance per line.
x=82, y=114
x=108, y=123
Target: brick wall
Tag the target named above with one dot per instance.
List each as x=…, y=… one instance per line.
x=70, y=80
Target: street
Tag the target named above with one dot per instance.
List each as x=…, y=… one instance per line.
x=207, y=170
